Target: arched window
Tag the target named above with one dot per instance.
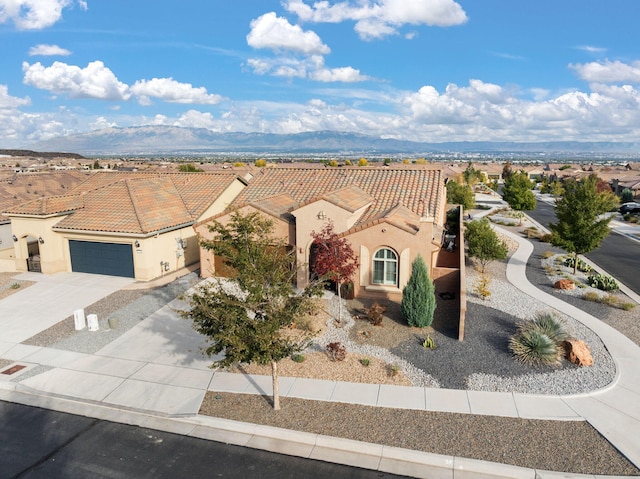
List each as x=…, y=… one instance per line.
x=385, y=267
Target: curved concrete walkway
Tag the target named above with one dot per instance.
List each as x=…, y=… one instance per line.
x=154, y=376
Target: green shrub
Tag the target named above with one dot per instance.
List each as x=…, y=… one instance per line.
x=297, y=358
x=418, y=296
x=545, y=238
x=365, y=361
x=602, y=282
x=15, y=285
x=627, y=306
x=547, y=254
x=582, y=266
x=393, y=370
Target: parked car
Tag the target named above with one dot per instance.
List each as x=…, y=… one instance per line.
x=632, y=207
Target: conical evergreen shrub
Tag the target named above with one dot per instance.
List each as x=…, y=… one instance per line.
x=418, y=296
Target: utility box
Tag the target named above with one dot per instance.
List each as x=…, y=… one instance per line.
x=79, y=320
x=92, y=322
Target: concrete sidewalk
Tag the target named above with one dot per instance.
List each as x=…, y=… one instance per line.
x=154, y=376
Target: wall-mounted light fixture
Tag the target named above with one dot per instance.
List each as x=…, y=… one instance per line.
x=321, y=215
x=40, y=240
x=137, y=243
x=14, y=238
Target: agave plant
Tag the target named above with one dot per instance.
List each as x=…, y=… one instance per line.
x=546, y=323
x=534, y=348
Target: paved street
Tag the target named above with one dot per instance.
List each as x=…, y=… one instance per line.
x=38, y=443
x=618, y=255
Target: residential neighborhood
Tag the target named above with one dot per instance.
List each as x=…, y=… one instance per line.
x=112, y=232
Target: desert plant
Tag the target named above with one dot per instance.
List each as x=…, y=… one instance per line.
x=547, y=254
x=429, y=343
x=545, y=238
x=365, y=361
x=582, y=266
x=336, y=351
x=374, y=313
x=482, y=286
x=418, y=296
x=297, y=358
x=591, y=296
x=547, y=324
x=602, y=282
x=534, y=348
x=393, y=370
x=15, y=285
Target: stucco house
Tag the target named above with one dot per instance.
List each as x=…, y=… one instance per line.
x=388, y=214
x=137, y=225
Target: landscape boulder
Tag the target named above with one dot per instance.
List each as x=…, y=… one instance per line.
x=564, y=284
x=577, y=351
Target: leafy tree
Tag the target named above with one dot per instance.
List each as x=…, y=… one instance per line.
x=347, y=163
x=506, y=170
x=363, y=162
x=96, y=165
x=581, y=227
x=261, y=163
x=483, y=243
x=626, y=196
x=189, y=168
x=246, y=316
x=333, y=258
x=458, y=194
x=418, y=296
x=517, y=192
x=472, y=176
x=556, y=189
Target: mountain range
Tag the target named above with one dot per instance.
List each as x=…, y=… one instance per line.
x=173, y=140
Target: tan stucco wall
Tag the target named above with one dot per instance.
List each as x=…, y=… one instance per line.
x=52, y=258
x=281, y=229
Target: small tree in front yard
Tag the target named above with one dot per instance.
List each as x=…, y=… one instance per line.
x=581, y=226
x=418, y=296
x=517, y=192
x=246, y=316
x=483, y=243
x=333, y=258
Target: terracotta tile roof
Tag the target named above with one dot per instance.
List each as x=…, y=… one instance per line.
x=350, y=198
x=134, y=203
x=276, y=205
x=20, y=188
x=417, y=189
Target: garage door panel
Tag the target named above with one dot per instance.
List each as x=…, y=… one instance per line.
x=113, y=259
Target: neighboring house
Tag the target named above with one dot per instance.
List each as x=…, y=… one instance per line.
x=388, y=214
x=137, y=225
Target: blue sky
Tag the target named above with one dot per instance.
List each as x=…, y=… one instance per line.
x=421, y=70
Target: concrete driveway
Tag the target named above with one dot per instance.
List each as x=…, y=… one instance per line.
x=53, y=298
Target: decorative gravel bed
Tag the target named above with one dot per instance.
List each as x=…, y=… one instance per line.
x=547, y=445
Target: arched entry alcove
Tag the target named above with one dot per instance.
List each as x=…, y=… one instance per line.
x=33, y=253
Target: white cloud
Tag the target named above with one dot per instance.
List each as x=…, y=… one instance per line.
x=169, y=90
x=48, y=50
x=34, y=14
x=312, y=67
x=102, y=123
x=380, y=18
x=195, y=119
x=608, y=71
x=276, y=33
x=93, y=81
x=344, y=74
x=9, y=102
x=591, y=49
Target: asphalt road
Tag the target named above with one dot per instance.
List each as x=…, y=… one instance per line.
x=38, y=443
x=617, y=255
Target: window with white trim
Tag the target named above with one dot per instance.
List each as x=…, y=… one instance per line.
x=385, y=267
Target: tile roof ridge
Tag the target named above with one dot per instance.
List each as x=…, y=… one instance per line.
x=134, y=204
x=179, y=193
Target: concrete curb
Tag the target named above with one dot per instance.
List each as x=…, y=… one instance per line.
x=295, y=443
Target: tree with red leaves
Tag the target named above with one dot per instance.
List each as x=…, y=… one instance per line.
x=333, y=258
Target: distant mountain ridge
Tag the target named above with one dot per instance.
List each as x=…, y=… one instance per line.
x=154, y=140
